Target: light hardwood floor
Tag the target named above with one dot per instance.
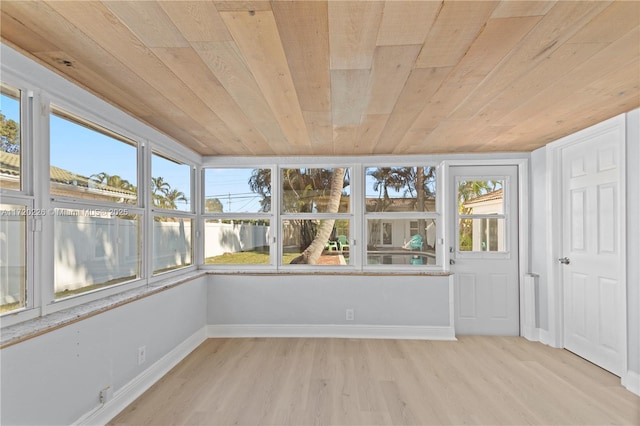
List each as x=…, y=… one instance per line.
x=476, y=380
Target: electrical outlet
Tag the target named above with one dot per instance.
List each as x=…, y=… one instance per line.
x=105, y=394
x=350, y=315
x=142, y=354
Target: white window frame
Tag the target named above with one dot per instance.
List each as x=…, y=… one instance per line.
x=270, y=216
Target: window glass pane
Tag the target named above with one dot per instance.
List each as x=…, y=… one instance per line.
x=401, y=241
x=171, y=243
x=13, y=248
x=480, y=197
x=170, y=184
x=90, y=163
x=229, y=242
x=237, y=190
x=307, y=190
x=485, y=234
x=327, y=241
x=94, y=249
x=400, y=189
x=10, y=176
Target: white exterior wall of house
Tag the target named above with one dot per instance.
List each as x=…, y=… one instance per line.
x=487, y=207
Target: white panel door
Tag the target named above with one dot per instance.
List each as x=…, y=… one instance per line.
x=594, y=298
x=484, y=250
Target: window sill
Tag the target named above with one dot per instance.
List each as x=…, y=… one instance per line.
x=340, y=273
x=29, y=329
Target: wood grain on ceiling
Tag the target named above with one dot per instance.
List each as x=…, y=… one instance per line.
x=344, y=77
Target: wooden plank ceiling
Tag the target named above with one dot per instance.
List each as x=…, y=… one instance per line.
x=344, y=77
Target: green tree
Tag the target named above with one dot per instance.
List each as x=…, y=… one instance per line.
x=9, y=135
x=213, y=205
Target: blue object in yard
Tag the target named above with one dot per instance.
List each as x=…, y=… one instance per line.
x=415, y=243
x=416, y=260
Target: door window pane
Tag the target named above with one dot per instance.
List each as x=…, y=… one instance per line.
x=91, y=163
x=401, y=241
x=401, y=189
x=237, y=190
x=237, y=242
x=170, y=184
x=482, y=234
x=94, y=249
x=327, y=241
x=308, y=190
x=13, y=249
x=480, y=197
x=10, y=158
x=171, y=243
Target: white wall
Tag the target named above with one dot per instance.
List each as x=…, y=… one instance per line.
x=538, y=223
x=55, y=379
x=383, y=300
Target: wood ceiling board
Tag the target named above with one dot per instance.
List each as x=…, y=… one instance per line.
x=420, y=86
x=564, y=89
x=148, y=21
x=369, y=133
x=187, y=139
x=344, y=139
x=22, y=36
x=196, y=20
x=353, y=30
x=47, y=23
x=510, y=9
x=497, y=39
x=95, y=83
x=611, y=24
x=226, y=62
x=555, y=66
x=105, y=29
x=349, y=96
x=406, y=22
x=303, y=28
x=455, y=28
x=257, y=37
x=391, y=68
x=243, y=6
x=188, y=66
x=553, y=30
x=320, y=131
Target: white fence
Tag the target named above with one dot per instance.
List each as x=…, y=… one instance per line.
x=221, y=238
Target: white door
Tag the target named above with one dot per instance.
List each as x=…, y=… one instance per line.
x=484, y=250
x=594, y=292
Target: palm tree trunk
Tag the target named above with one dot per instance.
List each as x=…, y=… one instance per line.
x=312, y=253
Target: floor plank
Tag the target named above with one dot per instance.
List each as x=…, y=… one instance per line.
x=476, y=380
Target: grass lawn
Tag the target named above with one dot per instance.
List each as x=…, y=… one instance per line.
x=246, y=258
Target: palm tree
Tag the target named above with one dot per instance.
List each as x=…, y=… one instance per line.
x=312, y=253
x=171, y=197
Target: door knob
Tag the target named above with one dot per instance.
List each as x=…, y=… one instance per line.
x=452, y=262
x=564, y=260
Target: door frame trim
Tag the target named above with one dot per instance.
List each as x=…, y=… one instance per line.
x=555, y=299
x=522, y=165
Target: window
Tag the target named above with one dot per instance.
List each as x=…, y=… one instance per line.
x=481, y=218
x=170, y=184
x=13, y=252
x=90, y=162
x=97, y=220
x=173, y=216
x=401, y=215
x=316, y=216
x=94, y=249
x=237, y=206
x=10, y=136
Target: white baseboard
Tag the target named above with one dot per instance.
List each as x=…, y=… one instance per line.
x=631, y=381
x=136, y=387
x=339, y=331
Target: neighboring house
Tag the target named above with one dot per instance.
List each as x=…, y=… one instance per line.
x=63, y=182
